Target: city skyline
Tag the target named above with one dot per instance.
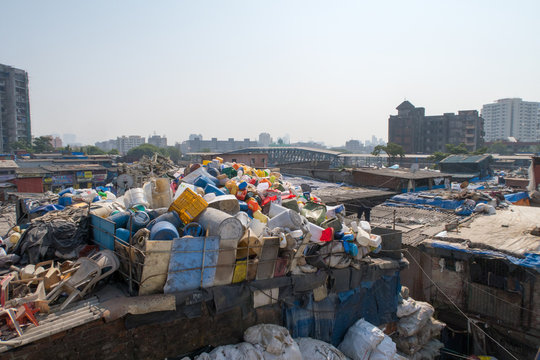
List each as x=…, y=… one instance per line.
x=179, y=68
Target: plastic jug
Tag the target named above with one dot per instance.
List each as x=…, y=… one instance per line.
x=286, y=219
x=163, y=230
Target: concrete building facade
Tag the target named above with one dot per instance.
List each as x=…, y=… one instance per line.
x=197, y=144
x=421, y=134
x=265, y=139
x=126, y=143
x=512, y=118
x=15, y=122
x=159, y=141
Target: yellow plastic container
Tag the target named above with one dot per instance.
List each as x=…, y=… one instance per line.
x=188, y=205
x=260, y=216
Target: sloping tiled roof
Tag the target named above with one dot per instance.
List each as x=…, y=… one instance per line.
x=405, y=105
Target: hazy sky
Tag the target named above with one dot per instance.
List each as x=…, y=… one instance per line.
x=318, y=70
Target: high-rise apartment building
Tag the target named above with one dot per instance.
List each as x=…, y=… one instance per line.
x=14, y=107
x=126, y=143
x=159, y=141
x=421, y=134
x=512, y=118
x=265, y=139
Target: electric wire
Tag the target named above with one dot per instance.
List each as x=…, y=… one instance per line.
x=471, y=321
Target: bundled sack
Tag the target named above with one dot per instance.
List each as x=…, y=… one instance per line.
x=313, y=349
x=412, y=324
x=385, y=350
x=360, y=340
x=406, y=308
x=275, y=340
x=429, y=352
x=242, y=351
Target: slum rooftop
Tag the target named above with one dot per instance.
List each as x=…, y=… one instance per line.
x=403, y=174
x=508, y=230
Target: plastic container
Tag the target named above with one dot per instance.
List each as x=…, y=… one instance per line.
x=219, y=223
x=193, y=229
x=137, y=221
x=120, y=218
x=123, y=235
x=318, y=234
x=158, y=192
x=65, y=191
x=261, y=217
x=171, y=217
x=134, y=197
x=163, y=230
x=210, y=188
x=65, y=201
x=257, y=227
x=276, y=209
x=181, y=187
x=188, y=205
x=287, y=219
x=202, y=181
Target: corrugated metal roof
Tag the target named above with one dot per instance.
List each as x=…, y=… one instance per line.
x=8, y=164
x=56, y=322
x=403, y=174
x=465, y=159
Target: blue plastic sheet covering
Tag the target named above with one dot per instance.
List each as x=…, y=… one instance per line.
x=516, y=197
x=188, y=260
x=417, y=201
x=530, y=260
x=46, y=208
x=328, y=320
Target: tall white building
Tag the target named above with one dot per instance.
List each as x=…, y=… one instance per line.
x=512, y=118
x=126, y=143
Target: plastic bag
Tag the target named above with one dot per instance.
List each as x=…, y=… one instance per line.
x=313, y=349
x=360, y=340
x=315, y=213
x=384, y=351
x=275, y=340
x=242, y=351
x=406, y=308
x=410, y=325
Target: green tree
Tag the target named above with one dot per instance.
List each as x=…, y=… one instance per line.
x=93, y=150
x=437, y=156
x=21, y=145
x=173, y=153
x=498, y=147
x=43, y=144
x=137, y=153
x=481, y=151
x=113, y=152
x=391, y=149
x=457, y=149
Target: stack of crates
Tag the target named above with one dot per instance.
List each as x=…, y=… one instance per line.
x=188, y=205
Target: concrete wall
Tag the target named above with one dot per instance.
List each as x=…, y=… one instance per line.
x=178, y=336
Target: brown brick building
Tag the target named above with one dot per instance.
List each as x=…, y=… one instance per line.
x=421, y=134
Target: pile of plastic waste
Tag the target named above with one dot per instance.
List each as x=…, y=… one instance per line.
x=245, y=205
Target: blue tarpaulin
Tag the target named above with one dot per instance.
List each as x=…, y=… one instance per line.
x=516, y=197
x=428, y=201
x=530, y=260
x=329, y=319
